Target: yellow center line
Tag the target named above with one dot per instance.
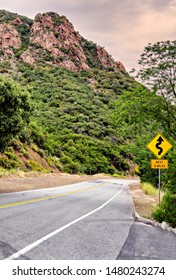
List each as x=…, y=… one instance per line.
x=48, y=197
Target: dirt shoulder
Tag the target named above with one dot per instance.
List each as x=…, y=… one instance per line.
x=36, y=181
x=143, y=203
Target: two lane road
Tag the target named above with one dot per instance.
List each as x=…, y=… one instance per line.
x=90, y=220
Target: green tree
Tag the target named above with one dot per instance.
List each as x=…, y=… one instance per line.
x=158, y=67
x=15, y=110
x=158, y=72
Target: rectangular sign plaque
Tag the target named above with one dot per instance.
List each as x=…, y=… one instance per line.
x=159, y=163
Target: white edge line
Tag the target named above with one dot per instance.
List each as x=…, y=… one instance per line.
x=46, y=237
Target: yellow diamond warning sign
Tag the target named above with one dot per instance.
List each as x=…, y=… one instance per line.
x=159, y=146
x=159, y=163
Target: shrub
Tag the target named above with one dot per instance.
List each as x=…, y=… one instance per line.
x=167, y=210
x=72, y=168
x=54, y=162
x=41, y=153
x=9, y=161
x=24, y=153
x=37, y=134
x=35, y=148
x=65, y=159
x=111, y=170
x=35, y=166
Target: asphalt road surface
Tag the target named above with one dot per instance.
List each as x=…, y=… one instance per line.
x=85, y=221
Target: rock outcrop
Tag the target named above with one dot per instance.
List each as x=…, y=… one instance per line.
x=9, y=40
x=57, y=35
x=51, y=38
x=106, y=59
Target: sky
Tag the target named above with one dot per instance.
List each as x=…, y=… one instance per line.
x=123, y=27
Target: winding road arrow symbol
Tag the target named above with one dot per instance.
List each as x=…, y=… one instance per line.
x=159, y=142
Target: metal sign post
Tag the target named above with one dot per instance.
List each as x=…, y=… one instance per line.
x=159, y=164
x=159, y=185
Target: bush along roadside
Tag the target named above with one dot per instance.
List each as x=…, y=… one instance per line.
x=164, y=216
x=167, y=210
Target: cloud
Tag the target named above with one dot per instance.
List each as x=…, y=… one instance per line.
x=161, y=5
x=151, y=26
x=123, y=27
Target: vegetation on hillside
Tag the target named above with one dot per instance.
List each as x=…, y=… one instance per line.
x=73, y=110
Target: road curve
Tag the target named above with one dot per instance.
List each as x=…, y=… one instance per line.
x=90, y=220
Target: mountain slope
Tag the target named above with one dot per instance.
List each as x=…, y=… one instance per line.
x=73, y=85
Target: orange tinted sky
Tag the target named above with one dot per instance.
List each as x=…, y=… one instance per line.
x=123, y=27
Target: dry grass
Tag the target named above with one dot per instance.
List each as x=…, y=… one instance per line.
x=149, y=189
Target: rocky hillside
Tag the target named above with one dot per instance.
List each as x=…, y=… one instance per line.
x=73, y=84
x=52, y=38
